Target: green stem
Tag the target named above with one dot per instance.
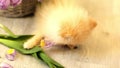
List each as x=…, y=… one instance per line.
x=46, y=60
x=54, y=64
x=51, y=60
x=8, y=31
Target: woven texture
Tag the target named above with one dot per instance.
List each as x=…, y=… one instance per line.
x=25, y=8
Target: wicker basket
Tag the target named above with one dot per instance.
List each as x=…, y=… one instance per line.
x=25, y=8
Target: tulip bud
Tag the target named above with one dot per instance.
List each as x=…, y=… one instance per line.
x=11, y=54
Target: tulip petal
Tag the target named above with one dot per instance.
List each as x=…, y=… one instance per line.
x=49, y=43
x=10, y=57
x=4, y=4
x=15, y=2
x=5, y=65
x=11, y=54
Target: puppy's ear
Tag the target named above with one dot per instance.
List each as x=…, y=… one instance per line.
x=92, y=23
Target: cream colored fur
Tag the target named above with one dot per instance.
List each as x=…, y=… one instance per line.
x=63, y=22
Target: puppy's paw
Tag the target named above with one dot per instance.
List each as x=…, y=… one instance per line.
x=32, y=42
x=28, y=45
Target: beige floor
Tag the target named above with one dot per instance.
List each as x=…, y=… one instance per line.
x=100, y=50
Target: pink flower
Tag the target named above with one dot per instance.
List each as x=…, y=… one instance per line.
x=11, y=54
x=5, y=65
x=15, y=2
x=4, y=4
x=49, y=43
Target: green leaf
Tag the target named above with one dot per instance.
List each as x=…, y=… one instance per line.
x=50, y=60
x=16, y=42
x=8, y=31
x=37, y=52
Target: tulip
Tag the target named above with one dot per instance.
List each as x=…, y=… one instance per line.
x=4, y=4
x=15, y=2
x=5, y=65
x=49, y=43
x=11, y=54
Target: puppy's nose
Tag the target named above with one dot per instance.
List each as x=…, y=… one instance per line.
x=72, y=46
x=75, y=47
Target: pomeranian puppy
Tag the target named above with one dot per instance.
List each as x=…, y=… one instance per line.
x=61, y=21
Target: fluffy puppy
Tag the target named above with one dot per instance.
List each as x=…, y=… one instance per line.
x=63, y=22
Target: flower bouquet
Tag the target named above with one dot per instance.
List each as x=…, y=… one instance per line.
x=17, y=8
